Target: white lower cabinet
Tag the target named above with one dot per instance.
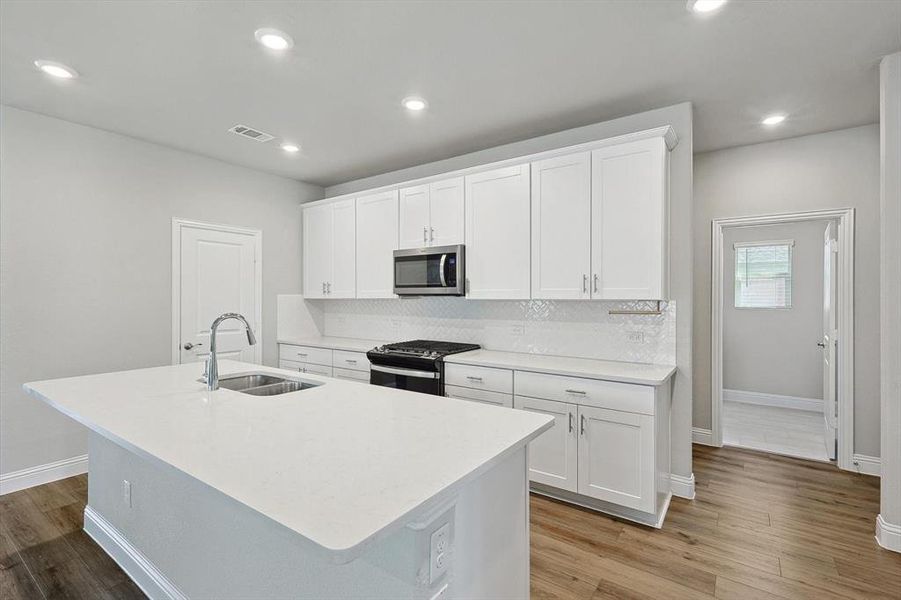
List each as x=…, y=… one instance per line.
x=553, y=456
x=483, y=396
x=341, y=364
x=617, y=457
x=350, y=375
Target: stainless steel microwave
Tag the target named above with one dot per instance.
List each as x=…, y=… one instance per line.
x=435, y=271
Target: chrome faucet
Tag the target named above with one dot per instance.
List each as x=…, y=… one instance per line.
x=212, y=366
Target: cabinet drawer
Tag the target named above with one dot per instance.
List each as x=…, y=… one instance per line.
x=307, y=354
x=356, y=361
x=351, y=375
x=611, y=395
x=497, y=398
x=303, y=367
x=480, y=378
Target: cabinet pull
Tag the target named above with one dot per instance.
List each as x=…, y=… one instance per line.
x=431, y=234
x=301, y=354
x=578, y=392
x=425, y=235
x=328, y=288
x=582, y=424
x=323, y=288
x=350, y=360
x=472, y=378
x=595, y=283
x=584, y=284
x=570, y=422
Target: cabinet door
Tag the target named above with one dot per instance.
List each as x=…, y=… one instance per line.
x=342, y=283
x=629, y=221
x=317, y=250
x=561, y=227
x=414, y=217
x=495, y=398
x=376, y=242
x=497, y=233
x=552, y=455
x=446, y=212
x=616, y=457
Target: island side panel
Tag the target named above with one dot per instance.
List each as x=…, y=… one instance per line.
x=205, y=544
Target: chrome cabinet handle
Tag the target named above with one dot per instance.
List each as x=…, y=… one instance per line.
x=595, y=283
x=328, y=287
x=570, y=422
x=301, y=354
x=425, y=235
x=189, y=345
x=323, y=288
x=582, y=424
x=471, y=378
x=350, y=360
x=584, y=284
x=578, y=392
x=431, y=234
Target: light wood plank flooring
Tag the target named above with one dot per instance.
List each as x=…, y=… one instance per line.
x=762, y=526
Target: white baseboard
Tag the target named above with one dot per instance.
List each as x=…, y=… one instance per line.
x=808, y=404
x=868, y=465
x=888, y=535
x=143, y=572
x=683, y=487
x=699, y=435
x=41, y=474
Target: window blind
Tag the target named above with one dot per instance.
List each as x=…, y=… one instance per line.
x=763, y=274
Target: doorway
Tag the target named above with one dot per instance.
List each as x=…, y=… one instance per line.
x=782, y=332
x=215, y=269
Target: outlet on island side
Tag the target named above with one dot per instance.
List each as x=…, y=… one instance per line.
x=126, y=492
x=635, y=337
x=438, y=552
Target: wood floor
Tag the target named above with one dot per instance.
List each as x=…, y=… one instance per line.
x=762, y=526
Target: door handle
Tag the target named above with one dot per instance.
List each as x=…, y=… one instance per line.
x=821, y=344
x=189, y=345
x=582, y=424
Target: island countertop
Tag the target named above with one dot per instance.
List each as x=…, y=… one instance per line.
x=341, y=464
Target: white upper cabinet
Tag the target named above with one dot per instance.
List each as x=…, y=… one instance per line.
x=432, y=214
x=329, y=250
x=561, y=227
x=377, y=216
x=497, y=233
x=629, y=216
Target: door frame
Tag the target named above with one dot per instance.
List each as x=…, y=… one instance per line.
x=845, y=284
x=177, y=226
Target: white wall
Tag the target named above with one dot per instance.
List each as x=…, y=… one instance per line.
x=681, y=225
x=890, y=203
x=774, y=351
x=85, y=228
x=837, y=169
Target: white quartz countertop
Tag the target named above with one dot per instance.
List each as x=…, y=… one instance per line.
x=335, y=343
x=342, y=464
x=610, y=370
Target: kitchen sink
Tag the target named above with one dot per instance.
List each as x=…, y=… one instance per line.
x=264, y=384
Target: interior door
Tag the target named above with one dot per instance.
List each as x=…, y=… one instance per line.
x=829, y=344
x=552, y=455
x=217, y=275
x=414, y=217
x=446, y=212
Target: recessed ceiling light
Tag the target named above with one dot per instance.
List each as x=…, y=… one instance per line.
x=773, y=119
x=292, y=148
x=704, y=6
x=273, y=38
x=56, y=69
x=414, y=103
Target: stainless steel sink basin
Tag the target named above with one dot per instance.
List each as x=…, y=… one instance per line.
x=264, y=384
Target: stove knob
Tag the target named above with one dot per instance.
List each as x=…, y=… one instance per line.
x=380, y=349
x=434, y=354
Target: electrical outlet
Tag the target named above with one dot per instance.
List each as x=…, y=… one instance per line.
x=517, y=329
x=438, y=552
x=635, y=337
x=126, y=492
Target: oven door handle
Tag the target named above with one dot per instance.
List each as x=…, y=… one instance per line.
x=441, y=270
x=407, y=372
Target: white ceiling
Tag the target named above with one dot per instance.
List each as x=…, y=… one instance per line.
x=181, y=73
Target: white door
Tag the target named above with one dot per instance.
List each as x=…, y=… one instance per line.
x=376, y=243
x=552, y=455
x=217, y=272
x=317, y=250
x=343, y=282
x=446, y=212
x=561, y=227
x=497, y=234
x=414, y=217
x=629, y=221
x=616, y=457
x=829, y=343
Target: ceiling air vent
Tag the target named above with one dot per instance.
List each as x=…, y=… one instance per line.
x=250, y=133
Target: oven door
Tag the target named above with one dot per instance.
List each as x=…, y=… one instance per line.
x=427, y=382
x=429, y=271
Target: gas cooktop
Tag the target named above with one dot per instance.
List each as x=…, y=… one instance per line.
x=424, y=349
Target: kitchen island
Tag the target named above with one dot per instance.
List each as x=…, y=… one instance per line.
x=340, y=490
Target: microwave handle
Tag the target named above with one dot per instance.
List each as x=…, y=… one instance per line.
x=441, y=270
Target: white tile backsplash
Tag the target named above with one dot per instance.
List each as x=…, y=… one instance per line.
x=562, y=328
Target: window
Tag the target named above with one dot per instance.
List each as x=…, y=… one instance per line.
x=763, y=274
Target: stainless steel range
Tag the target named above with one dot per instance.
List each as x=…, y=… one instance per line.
x=417, y=365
